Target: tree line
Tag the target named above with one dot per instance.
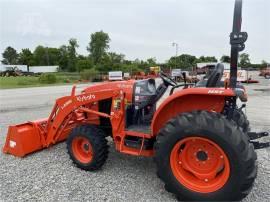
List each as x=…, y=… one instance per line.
x=99, y=57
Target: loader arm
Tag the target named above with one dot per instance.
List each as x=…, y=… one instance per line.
x=64, y=106
x=67, y=112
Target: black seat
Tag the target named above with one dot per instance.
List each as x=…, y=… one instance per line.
x=214, y=78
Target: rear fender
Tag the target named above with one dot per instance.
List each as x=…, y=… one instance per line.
x=187, y=100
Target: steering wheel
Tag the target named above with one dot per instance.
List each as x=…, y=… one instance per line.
x=167, y=80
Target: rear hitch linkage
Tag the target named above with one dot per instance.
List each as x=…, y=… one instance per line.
x=257, y=144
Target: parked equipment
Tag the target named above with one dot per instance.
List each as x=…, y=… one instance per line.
x=199, y=137
x=115, y=76
x=265, y=72
x=11, y=71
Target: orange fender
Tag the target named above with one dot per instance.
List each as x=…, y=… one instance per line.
x=187, y=100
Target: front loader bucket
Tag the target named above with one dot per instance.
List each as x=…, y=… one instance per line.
x=24, y=138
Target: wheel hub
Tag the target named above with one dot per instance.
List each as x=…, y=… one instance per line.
x=202, y=156
x=86, y=147
x=82, y=149
x=199, y=164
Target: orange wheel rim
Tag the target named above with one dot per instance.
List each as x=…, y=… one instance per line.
x=82, y=149
x=199, y=164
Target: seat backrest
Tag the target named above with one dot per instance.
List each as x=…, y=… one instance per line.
x=215, y=76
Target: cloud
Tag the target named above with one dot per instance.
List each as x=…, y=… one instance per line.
x=34, y=24
x=138, y=28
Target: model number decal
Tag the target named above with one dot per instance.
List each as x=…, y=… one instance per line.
x=215, y=91
x=124, y=86
x=85, y=97
x=66, y=104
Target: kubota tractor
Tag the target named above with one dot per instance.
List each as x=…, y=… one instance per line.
x=199, y=138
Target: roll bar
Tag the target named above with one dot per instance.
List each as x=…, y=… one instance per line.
x=237, y=40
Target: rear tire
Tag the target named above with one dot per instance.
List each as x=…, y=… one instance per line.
x=87, y=147
x=220, y=133
x=241, y=120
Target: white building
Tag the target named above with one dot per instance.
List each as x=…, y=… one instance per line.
x=43, y=69
x=35, y=69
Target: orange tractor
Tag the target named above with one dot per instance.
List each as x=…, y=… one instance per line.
x=199, y=138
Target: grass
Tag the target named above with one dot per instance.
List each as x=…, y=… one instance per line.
x=33, y=81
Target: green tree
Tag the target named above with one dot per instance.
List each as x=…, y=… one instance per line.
x=116, y=58
x=140, y=64
x=41, y=56
x=82, y=57
x=72, y=54
x=207, y=59
x=244, y=60
x=53, y=56
x=26, y=57
x=83, y=64
x=10, y=56
x=63, y=58
x=183, y=61
x=45, y=56
x=151, y=62
x=111, y=61
x=225, y=58
x=99, y=44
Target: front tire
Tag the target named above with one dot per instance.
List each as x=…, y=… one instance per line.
x=204, y=156
x=87, y=147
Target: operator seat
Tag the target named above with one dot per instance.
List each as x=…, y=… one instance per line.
x=146, y=95
x=214, y=78
x=161, y=89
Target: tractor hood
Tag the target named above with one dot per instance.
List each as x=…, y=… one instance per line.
x=126, y=86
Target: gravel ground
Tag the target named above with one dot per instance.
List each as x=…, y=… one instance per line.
x=49, y=175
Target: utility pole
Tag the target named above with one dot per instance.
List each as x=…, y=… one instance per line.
x=176, y=52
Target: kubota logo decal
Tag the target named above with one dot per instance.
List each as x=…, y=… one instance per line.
x=215, y=91
x=85, y=97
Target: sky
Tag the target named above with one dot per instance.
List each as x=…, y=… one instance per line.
x=137, y=28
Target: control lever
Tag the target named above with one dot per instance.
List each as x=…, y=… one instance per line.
x=184, y=77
